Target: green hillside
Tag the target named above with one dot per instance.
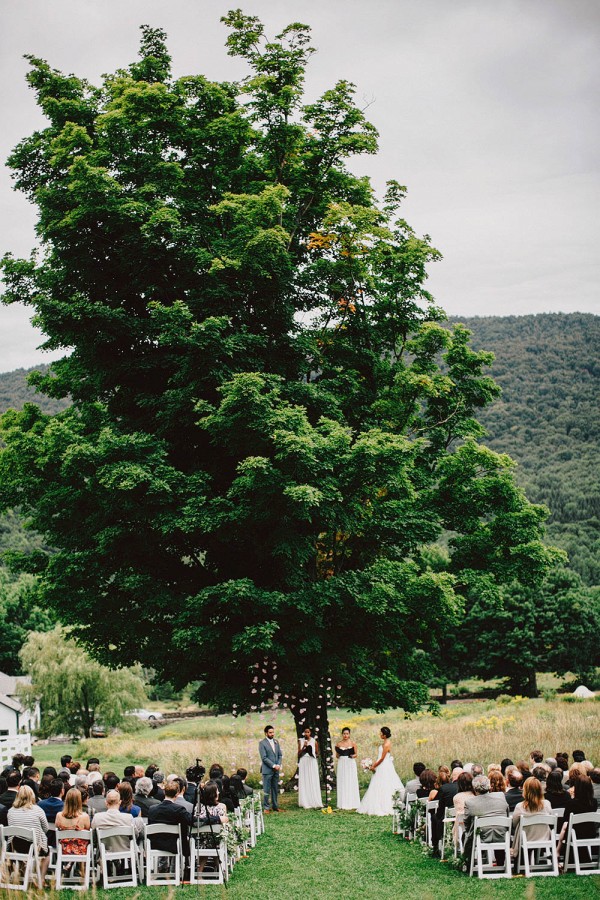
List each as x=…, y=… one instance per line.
x=548, y=420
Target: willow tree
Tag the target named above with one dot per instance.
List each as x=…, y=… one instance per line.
x=270, y=424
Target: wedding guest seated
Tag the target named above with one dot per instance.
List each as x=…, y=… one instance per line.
x=97, y=801
x=158, y=786
x=73, y=818
x=18, y=761
x=445, y=798
x=180, y=798
x=556, y=794
x=465, y=792
x=427, y=780
x=210, y=806
x=191, y=791
x=65, y=776
x=443, y=777
x=533, y=804
x=578, y=756
x=216, y=771
x=142, y=798
x=45, y=783
x=576, y=771
x=53, y=805
x=26, y=814
x=494, y=767
x=476, y=769
x=31, y=778
x=595, y=778
x=582, y=801
x=50, y=770
x=93, y=761
x=126, y=794
x=65, y=760
x=13, y=780
x=128, y=775
x=112, y=818
x=514, y=793
x=484, y=804
x=535, y=758
x=243, y=774
x=414, y=784
x=524, y=769
x=111, y=781
x=497, y=782
x=237, y=788
x=170, y=813
x=541, y=773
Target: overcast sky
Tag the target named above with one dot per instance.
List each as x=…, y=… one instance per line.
x=487, y=110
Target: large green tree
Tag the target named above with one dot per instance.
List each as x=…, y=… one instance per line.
x=269, y=421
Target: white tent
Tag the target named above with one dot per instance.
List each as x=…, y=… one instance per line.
x=583, y=692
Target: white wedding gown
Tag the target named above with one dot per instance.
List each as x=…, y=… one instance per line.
x=384, y=784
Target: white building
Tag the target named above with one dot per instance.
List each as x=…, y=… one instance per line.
x=14, y=717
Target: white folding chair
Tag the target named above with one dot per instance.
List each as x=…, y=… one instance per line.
x=575, y=845
x=409, y=800
x=119, y=866
x=459, y=837
x=250, y=823
x=75, y=880
x=539, y=855
x=430, y=808
x=485, y=867
x=50, y=871
x=163, y=866
x=200, y=854
x=447, y=829
x=13, y=862
x=259, y=816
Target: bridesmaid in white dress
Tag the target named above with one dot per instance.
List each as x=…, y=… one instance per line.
x=309, y=786
x=384, y=783
x=348, y=794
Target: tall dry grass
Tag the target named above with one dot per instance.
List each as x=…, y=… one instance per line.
x=481, y=731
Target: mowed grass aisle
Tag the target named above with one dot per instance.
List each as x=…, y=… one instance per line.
x=350, y=857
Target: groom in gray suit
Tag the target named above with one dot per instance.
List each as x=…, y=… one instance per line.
x=270, y=766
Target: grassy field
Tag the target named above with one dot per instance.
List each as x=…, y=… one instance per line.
x=344, y=855
x=476, y=731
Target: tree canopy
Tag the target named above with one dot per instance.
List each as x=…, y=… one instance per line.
x=269, y=425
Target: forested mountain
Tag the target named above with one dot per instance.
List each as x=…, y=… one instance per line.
x=15, y=392
x=548, y=420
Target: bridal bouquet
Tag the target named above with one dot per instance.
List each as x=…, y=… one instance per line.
x=366, y=764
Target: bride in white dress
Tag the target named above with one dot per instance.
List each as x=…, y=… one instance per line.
x=309, y=786
x=384, y=783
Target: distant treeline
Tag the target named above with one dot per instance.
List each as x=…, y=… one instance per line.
x=548, y=420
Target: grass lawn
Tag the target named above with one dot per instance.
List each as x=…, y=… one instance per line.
x=346, y=856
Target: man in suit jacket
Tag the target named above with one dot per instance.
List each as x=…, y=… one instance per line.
x=170, y=813
x=484, y=804
x=270, y=766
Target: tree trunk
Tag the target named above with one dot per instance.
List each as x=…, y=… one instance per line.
x=444, y=693
x=532, y=688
